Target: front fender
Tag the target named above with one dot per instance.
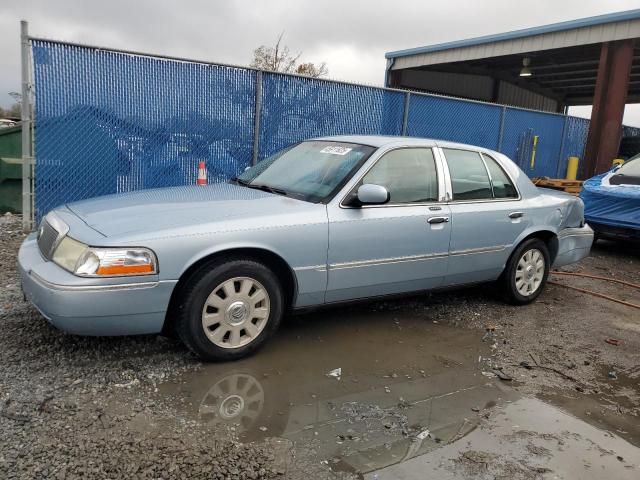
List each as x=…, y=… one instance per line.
x=223, y=247
x=303, y=247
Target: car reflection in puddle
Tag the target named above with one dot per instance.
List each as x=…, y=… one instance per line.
x=406, y=387
x=409, y=390
x=359, y=431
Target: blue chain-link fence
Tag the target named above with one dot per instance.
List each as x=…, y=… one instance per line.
x=110, y=121
x=297, y=108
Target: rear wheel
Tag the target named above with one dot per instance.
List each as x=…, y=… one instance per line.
x=526, y=272
x=229, y=310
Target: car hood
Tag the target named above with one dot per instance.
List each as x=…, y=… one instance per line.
x=177, y=207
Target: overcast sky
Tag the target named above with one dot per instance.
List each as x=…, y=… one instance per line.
x=351, y=36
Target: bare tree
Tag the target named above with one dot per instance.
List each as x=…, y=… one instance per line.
x=280, y=59
x=312, y=70
x=14, y=110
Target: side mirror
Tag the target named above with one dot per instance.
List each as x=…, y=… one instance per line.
x=370, y=194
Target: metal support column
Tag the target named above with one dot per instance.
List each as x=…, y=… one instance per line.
x=256, y=122
x=612, y=84
x=27, y=154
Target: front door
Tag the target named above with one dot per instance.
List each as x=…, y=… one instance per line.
x=487, y=216
x=400, y=246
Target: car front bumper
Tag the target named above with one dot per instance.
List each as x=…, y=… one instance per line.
x=574, y=244
x=84, y=306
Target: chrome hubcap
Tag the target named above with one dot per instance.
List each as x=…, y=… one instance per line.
x=530, y=272
x=236, y=399
x=235, y=312
x=231, y=407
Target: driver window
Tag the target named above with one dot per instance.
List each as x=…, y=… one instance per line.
x=409, y=174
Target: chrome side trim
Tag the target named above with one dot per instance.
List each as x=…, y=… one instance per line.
x=88, y=288
x=414, y=258
x=320, y=268
x=474, y=251
x=585, y=231
x=568, y=235
x=386, y=261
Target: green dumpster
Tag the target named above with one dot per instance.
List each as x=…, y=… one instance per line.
x=11, y=169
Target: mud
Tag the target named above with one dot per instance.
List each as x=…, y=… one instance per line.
x=442, y=385
x=414, y=396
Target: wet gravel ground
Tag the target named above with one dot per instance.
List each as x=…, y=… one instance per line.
x=73, y=407
x=53, y=392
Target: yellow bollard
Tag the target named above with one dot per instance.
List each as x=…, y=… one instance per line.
x=572, y=168
x=617, y=162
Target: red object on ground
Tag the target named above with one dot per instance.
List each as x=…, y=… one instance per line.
x=202, y=174
x=613, y=341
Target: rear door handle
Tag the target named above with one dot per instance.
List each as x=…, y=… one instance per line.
x=438, y=220
x=516, y=215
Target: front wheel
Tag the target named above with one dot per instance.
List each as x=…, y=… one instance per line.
x=229, y=310
x=526, y=272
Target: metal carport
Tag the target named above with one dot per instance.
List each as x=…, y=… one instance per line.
x=590, y=61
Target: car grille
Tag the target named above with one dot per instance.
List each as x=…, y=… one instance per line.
x=47, y=237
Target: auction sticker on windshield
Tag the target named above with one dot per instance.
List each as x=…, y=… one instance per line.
x=336, y=150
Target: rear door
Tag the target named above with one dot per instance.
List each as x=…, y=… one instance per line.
x=487, y=216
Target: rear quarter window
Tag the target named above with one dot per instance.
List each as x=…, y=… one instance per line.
x=502, y=186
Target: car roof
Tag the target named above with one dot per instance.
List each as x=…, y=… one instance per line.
x=387, y=140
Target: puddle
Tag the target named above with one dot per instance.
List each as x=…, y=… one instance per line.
x=411, y=398
x=605, y=407
x=526, y=439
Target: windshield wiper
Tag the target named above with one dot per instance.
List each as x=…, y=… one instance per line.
x=264, y=188
x=239, y=181
x=267, y=188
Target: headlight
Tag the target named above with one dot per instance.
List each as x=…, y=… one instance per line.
x=86, y=261
x=116, y=262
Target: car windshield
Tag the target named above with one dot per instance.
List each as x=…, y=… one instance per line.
x=312, y=171
x=631, y=167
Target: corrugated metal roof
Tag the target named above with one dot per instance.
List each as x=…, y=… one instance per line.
x=596, y=21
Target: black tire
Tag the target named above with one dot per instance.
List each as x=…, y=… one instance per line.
x=201, y=284
x=508, y=278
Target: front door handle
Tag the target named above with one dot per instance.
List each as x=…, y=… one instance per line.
x=438, y=220
x=516, y=215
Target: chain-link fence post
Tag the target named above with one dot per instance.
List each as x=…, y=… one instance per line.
x=256, y=123
x=562, y=141
x=27, y=153
x=503, y=115
x=405, y=115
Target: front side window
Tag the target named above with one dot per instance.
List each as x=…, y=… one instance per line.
x=409, y=174
x=469, y=178
x=502, y=186
x=311, y=171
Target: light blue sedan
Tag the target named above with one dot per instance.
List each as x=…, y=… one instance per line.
x=324, y=221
